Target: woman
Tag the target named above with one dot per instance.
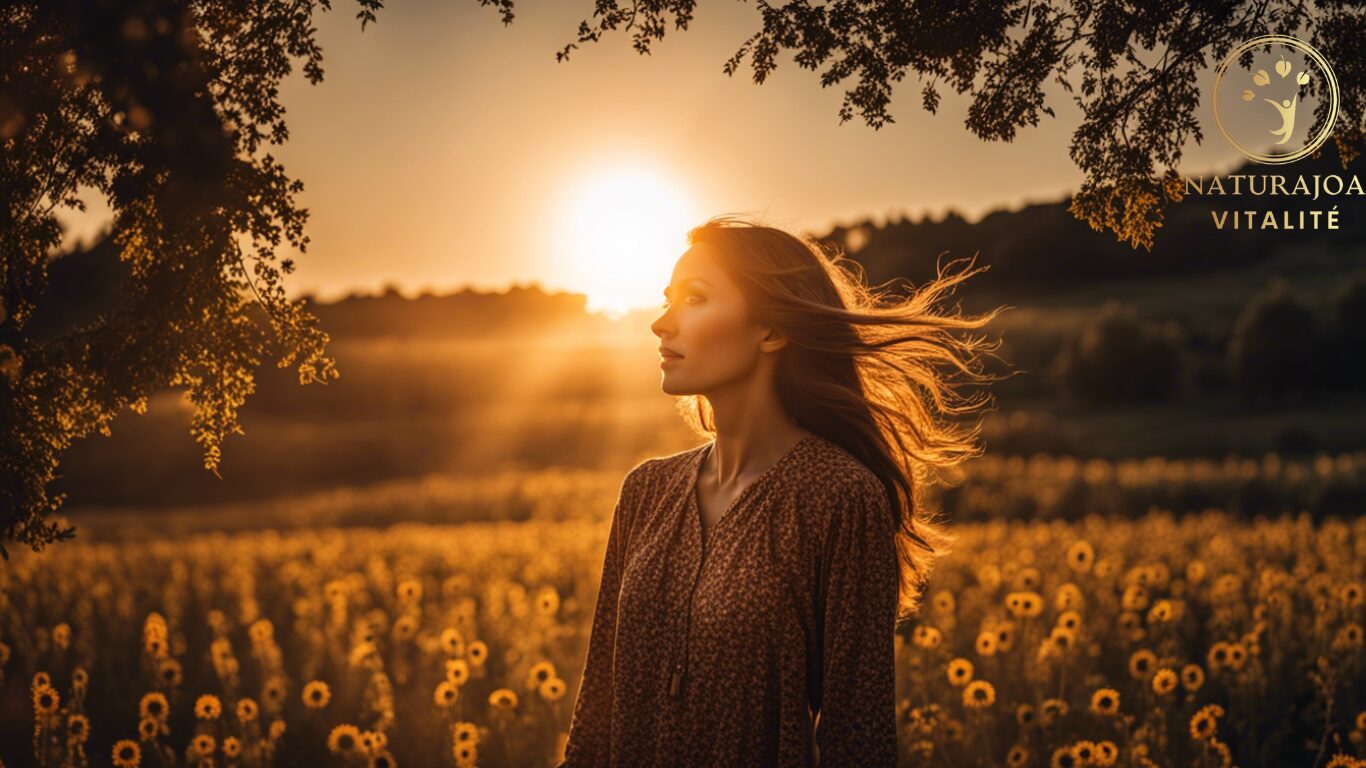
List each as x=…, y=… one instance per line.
x=753, y=584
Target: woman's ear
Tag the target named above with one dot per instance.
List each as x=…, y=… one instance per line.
x=772, y=341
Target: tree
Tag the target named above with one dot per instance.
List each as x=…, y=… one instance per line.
x=1121, y=359
x=1134, y=117
x=1277, y=347
x=160, y=105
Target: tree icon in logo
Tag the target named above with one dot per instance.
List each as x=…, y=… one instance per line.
x=1286, y=107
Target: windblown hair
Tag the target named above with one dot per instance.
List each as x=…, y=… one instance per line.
x=863, y=367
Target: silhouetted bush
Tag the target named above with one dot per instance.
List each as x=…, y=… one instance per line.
x=1276, y=350
x=1121, y=359
x=1349, y=333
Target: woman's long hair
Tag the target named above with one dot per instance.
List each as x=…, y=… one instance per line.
x=862, y=368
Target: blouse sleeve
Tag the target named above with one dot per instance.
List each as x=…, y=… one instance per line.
x=856, y=725
x=589, y=731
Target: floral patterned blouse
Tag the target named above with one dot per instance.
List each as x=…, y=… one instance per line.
x=765, y=641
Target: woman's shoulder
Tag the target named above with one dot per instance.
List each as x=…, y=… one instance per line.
x=650, y=470
x=829, y=467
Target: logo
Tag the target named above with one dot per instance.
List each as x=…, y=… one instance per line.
x=1262, y=111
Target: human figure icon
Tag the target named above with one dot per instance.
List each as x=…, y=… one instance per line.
x=1287, y=109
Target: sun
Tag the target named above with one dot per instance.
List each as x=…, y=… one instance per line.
x=623, y=232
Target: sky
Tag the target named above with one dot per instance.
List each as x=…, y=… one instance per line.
x=445, y=150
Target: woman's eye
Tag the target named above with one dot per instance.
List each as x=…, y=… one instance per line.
x=666, y=302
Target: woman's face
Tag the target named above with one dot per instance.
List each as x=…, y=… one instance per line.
x=706, y=339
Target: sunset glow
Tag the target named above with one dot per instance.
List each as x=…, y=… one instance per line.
x=623, y=232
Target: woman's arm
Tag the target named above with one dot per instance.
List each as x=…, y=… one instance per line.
x=590, y=731
x=856, y=723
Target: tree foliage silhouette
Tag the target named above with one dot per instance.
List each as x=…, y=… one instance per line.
x=161, y=106
x=1136, y=114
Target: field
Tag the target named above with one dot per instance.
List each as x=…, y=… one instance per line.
x=1201, y=640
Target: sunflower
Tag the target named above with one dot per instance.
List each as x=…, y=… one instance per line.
x=382, y=759
x=1237, y=654
x=1192, y=677
x=1080, y=556
x=1135, y=598
x=79, y=677
x=1223, y=758
x=1205, y=723
x=1069, y=619
x=1025, y=715
x=552, y=689
x=410, y=590
x=1141, y=663
x=1161, y=612
x=452, y=642
x=960, y=671
x=46, y=700
x=1351, y=594
x=261, y=631
x=1024, y=603
x=247, y=710
x=540, y=672
x=204, y=743
x=1084, y=750
x=232, y=747
x=1218, y=655
x=1069, y=597
x=1064, y=757
x=466, y=753
x=78, y=727
x=1105, y=701
x=504, y=699
x=1107, y=753
x=547, y=601
x=978, y=694
x=477, y=652
x=986, y=644
x=1017, y=757
x=446, y=693
x=208, y=707
x=1052, y=710
x=1348, y=637
x=944, y=601
x=277, y=729
x=148, y=728
x=466, y=732
x=273, y=692
x=169, y=669
x=926, y=636
x=406, y=627
x=457, y=671
x=62, y=636
x=316, y=694
x=1164, y=681
x=344, y=739
x=127, y=753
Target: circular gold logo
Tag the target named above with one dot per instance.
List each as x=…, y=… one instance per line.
x=1261, y=106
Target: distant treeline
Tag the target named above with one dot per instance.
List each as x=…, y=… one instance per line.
x=1041, y=248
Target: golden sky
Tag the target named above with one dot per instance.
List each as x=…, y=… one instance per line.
x=444, y=149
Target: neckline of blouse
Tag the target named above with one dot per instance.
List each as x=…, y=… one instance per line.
x=754, y=484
